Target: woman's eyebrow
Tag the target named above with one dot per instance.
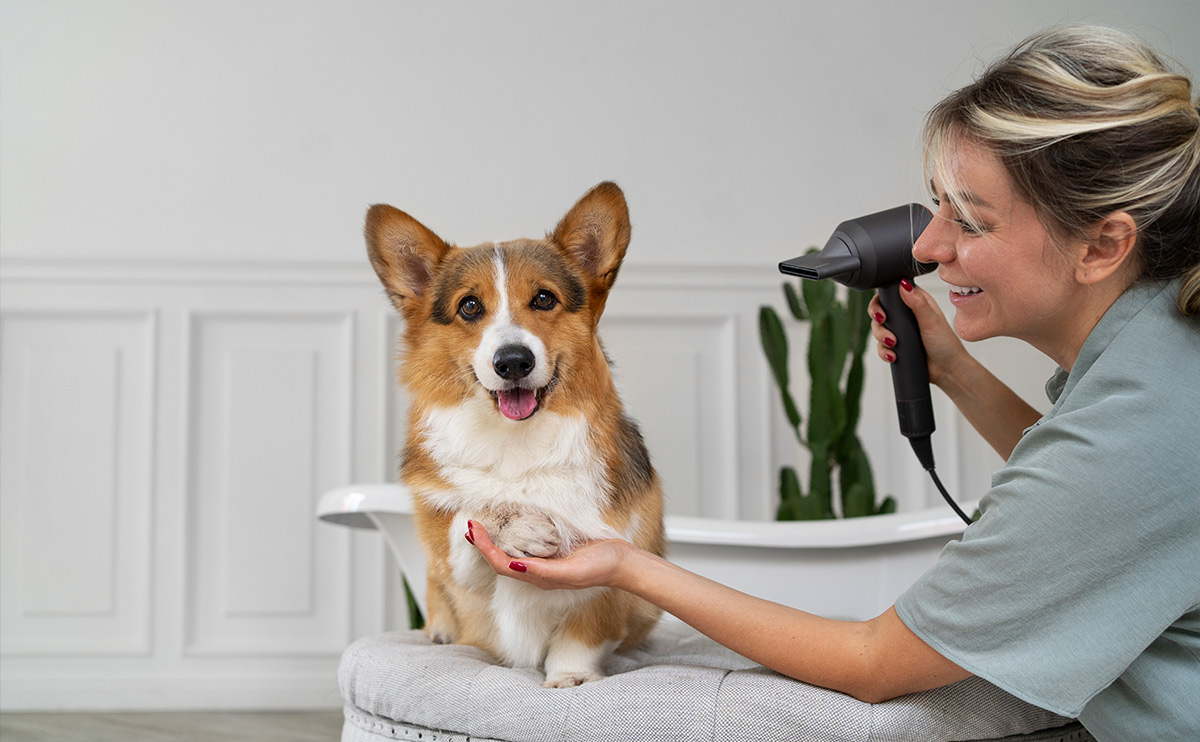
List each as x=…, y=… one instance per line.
x=965, y=196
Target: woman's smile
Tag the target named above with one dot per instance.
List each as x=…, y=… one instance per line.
x=960, y=295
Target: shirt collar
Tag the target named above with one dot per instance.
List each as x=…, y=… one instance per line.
x=1125, y=308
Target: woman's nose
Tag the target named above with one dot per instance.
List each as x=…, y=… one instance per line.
x=936, y=243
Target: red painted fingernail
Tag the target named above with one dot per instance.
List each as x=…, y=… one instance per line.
x=889, y=357
x=517, y=567
x=889, y=342
x=906, y=284
x=470, y=538
x=879, y=317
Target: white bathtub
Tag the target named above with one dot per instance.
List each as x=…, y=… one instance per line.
x=841, y=569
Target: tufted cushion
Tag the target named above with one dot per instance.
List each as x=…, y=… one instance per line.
x=678, y=686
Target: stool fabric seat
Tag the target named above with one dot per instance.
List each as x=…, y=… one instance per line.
x=679, y=685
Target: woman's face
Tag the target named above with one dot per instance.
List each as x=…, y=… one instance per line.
x=1007, y=277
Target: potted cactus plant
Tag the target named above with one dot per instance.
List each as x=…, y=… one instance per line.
x=838, y=333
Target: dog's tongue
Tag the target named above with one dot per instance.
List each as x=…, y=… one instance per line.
x=517, y=404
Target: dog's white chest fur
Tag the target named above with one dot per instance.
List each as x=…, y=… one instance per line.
x=547, y=462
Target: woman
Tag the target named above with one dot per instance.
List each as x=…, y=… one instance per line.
x=1067, y=190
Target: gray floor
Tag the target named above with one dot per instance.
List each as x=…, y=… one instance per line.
x=192, y=726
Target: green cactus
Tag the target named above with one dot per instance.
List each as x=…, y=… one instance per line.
x=838, y=333
x=415, y=619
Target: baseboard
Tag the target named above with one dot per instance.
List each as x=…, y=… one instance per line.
x=145, y=692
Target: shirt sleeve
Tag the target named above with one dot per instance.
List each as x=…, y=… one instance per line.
x=1086, y=551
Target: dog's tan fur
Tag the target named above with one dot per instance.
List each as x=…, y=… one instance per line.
x=519, y=497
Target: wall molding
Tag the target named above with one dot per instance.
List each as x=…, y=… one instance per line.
x=342, y=273
x=236, y=690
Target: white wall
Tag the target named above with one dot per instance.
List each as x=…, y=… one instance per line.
x=259, y=130
x=192, y=340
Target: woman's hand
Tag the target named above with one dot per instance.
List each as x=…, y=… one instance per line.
x=989, y=405
x=943, y=349
x=595, y=564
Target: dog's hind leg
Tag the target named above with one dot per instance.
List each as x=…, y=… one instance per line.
x=440, y=625
x=571, y=662
x=579, y=649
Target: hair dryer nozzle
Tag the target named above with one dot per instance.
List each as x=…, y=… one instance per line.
x=868, y=252
x=835, y=261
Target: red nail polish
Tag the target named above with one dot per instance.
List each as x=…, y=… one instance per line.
x=906, y=284
x=517, y=567
x=889, y=357
x=889, y=342
x=470, y=539
x=879, y=317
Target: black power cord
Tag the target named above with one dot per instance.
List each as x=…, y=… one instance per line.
x=923, y=448
x=938, y=483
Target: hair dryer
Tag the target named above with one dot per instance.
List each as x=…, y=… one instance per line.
x=875, y=252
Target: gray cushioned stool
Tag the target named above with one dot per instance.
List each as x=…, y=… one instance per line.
x=678, y=686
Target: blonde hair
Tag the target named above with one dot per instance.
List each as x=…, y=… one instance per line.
x=1088, y=121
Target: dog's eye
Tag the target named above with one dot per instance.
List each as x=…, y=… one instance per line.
x=470, y=308
x=544, y=300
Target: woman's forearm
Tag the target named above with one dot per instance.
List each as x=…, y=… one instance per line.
x=873, y=660
x=992, y=408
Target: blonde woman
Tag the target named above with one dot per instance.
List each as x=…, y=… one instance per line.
x=1067, y=189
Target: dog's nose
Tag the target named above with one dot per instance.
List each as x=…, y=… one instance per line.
x=513, y=362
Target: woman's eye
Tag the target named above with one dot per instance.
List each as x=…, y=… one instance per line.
x=544, y=300
x=969, y=229
x=470, y=308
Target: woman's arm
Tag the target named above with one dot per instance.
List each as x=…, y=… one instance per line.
x=991, y=407
x=873, y=660
x=989, y=404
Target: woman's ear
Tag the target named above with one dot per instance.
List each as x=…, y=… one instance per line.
x=1109, y=249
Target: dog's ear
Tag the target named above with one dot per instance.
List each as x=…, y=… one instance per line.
x=595, y=232
x=403, y=251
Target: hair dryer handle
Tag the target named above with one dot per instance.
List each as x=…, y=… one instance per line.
x=910, y=370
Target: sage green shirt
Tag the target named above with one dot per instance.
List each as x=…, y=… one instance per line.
x=1078, y=590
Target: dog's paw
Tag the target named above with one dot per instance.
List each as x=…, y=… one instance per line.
x=570, y=679
x=440, y=634
x=527, y=534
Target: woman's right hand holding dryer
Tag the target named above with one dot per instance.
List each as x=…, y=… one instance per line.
x=992, y=408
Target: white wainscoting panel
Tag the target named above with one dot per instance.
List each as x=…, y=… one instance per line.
x=76, y=415
x=676, y=376
x=166, y=432
x=685, y=351
x=271, y=431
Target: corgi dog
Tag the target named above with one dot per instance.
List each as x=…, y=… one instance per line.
x=514, y=423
